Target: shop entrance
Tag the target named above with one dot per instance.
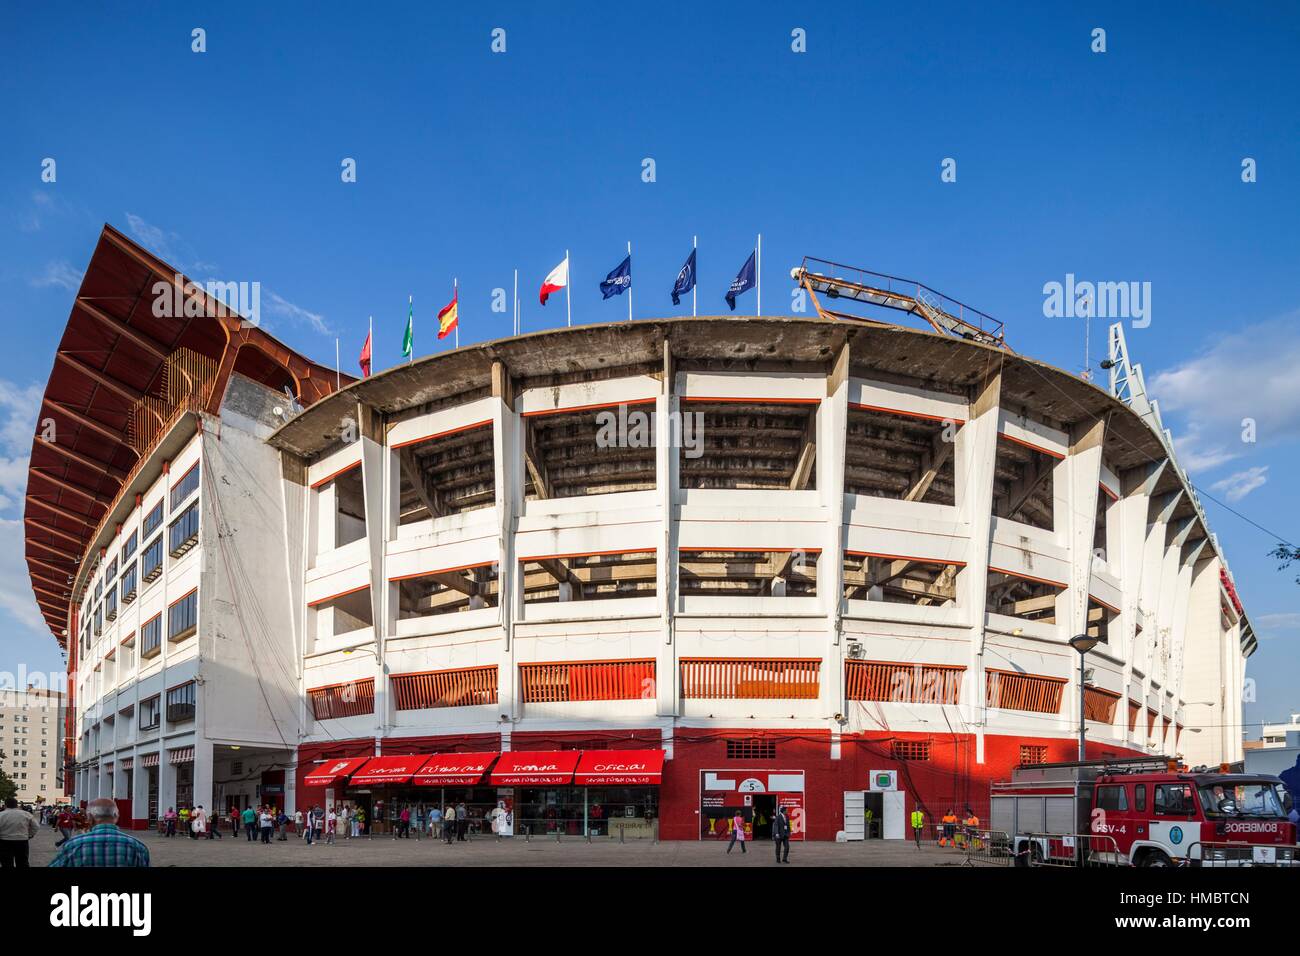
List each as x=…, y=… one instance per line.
x=764, y=811
x=874, y=814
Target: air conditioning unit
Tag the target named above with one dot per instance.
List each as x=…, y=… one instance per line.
x=856, y=650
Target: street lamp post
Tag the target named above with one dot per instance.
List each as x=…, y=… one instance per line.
x=1082, y=643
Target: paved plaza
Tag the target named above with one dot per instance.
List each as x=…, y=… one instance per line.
x=513, y=852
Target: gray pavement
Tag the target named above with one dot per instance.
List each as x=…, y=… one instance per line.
x=513, y=852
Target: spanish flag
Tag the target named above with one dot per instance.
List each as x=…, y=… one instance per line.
x=449, y=318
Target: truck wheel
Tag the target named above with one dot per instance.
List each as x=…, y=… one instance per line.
x=1155, y=858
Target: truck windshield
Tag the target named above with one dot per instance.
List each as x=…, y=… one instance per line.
x=1236, y=799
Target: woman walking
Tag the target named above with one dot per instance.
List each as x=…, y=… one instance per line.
x=737, y=832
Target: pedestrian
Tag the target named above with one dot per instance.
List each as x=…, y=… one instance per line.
x=104, y=844
x=267, y=823
x=435, y=822
x=318, y=821
x=234, y=822
x=449, y=823
x=185, y=821
x=282, y=819
x=169, y=819
x=918, y=825
x=64, y=821
x=781, y=834
x=462, y=821
x=17, y=827
x=297, y=824
x=359, y=822
x=309, y=826
x=405, y=828
x=737, y=832
x=250, y=822
x=199, y=823
x=331, y=825
x=949, y=828
x=214, y=830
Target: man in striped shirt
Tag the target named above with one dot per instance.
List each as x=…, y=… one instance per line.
x=104, y=844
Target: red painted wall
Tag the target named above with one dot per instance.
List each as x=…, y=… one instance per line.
x=308, y=754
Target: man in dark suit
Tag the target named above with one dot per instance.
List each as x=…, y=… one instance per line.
x=781, y=835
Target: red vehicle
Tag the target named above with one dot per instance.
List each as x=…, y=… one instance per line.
x=1145, y=812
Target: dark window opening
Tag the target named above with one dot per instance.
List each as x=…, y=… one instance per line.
x=749, y=445
x=749, y=573
x=446, y=592
x=446, y=475
x=870, y=577
x=591, y=451
x=589, y=577
x=1022, y=484
x=905, y=457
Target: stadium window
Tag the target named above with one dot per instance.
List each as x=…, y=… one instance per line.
x=583, y=452
x=447, y=592
x=909, y=750
x=565, y=681
x=340, y=508
x=183, y=533
x=181, y=702
x=899, y=580
x=785, y=573
x=588, y=577
x=737, y=678
x=1022, y=484
x=907, y=457
x=152, y=519
x=342, y=613
x=348, y=699
x=1015, y=595
x=188, y=484
x=445, y=474
x=128, y=549
x=460, y=687
x=888, y=681
x=151, y=637
x=1032, y=754
x=751, y=748
x=151, y=560
x=752, y=444
x=183, y=617
x=150, y=713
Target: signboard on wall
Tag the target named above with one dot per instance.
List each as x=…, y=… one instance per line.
x=884, y=780
x=723, y=792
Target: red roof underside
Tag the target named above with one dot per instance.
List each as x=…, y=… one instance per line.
x=90, y=417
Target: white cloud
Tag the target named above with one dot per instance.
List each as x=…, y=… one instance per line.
x=19, y=407
x=1244, y=381
x=16, y=596
x=59, y=274
x=1241, y=483
x=280, y=306
x=1271, y=626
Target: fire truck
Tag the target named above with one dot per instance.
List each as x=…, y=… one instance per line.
x=1143, y=811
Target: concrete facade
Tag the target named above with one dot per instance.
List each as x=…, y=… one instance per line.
x=1035, y=527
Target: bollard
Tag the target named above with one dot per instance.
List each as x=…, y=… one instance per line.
x=588, y=836
x=621, y=831
x=557, y=836
x=528, y=833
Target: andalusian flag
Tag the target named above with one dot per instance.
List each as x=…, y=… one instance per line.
x=408, y=340
x=448, y=318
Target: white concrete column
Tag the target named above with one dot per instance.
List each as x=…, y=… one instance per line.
x=669, y=436
x=832, y=433
x=974, y=466
x=508, y=457
x=374, y=477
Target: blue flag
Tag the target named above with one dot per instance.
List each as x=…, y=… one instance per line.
x=743, y=282
x=685, y=279
x=618, y=281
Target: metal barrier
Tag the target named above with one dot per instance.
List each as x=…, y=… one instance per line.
x=969, y=844
x=1212, y=854
x=1069, y=850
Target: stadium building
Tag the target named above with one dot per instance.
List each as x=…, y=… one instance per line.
x=617, y=576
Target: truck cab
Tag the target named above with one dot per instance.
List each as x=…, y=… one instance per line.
x=1143, y=812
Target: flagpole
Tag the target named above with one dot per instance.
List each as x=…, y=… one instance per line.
x=629, y=280
x=568, y=281
x=371, y=339
x=338, y=375
x=516, y=332
x=455, y=297
x=695, y=245
x=758, y=267
x=410, y=325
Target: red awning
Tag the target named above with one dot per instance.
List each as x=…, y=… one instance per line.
x=535, y=768
x=381, y=770
x=324, y=774
x=619, y=768
x=455, y=770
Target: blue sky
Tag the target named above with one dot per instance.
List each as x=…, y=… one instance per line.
x=1115, y=166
